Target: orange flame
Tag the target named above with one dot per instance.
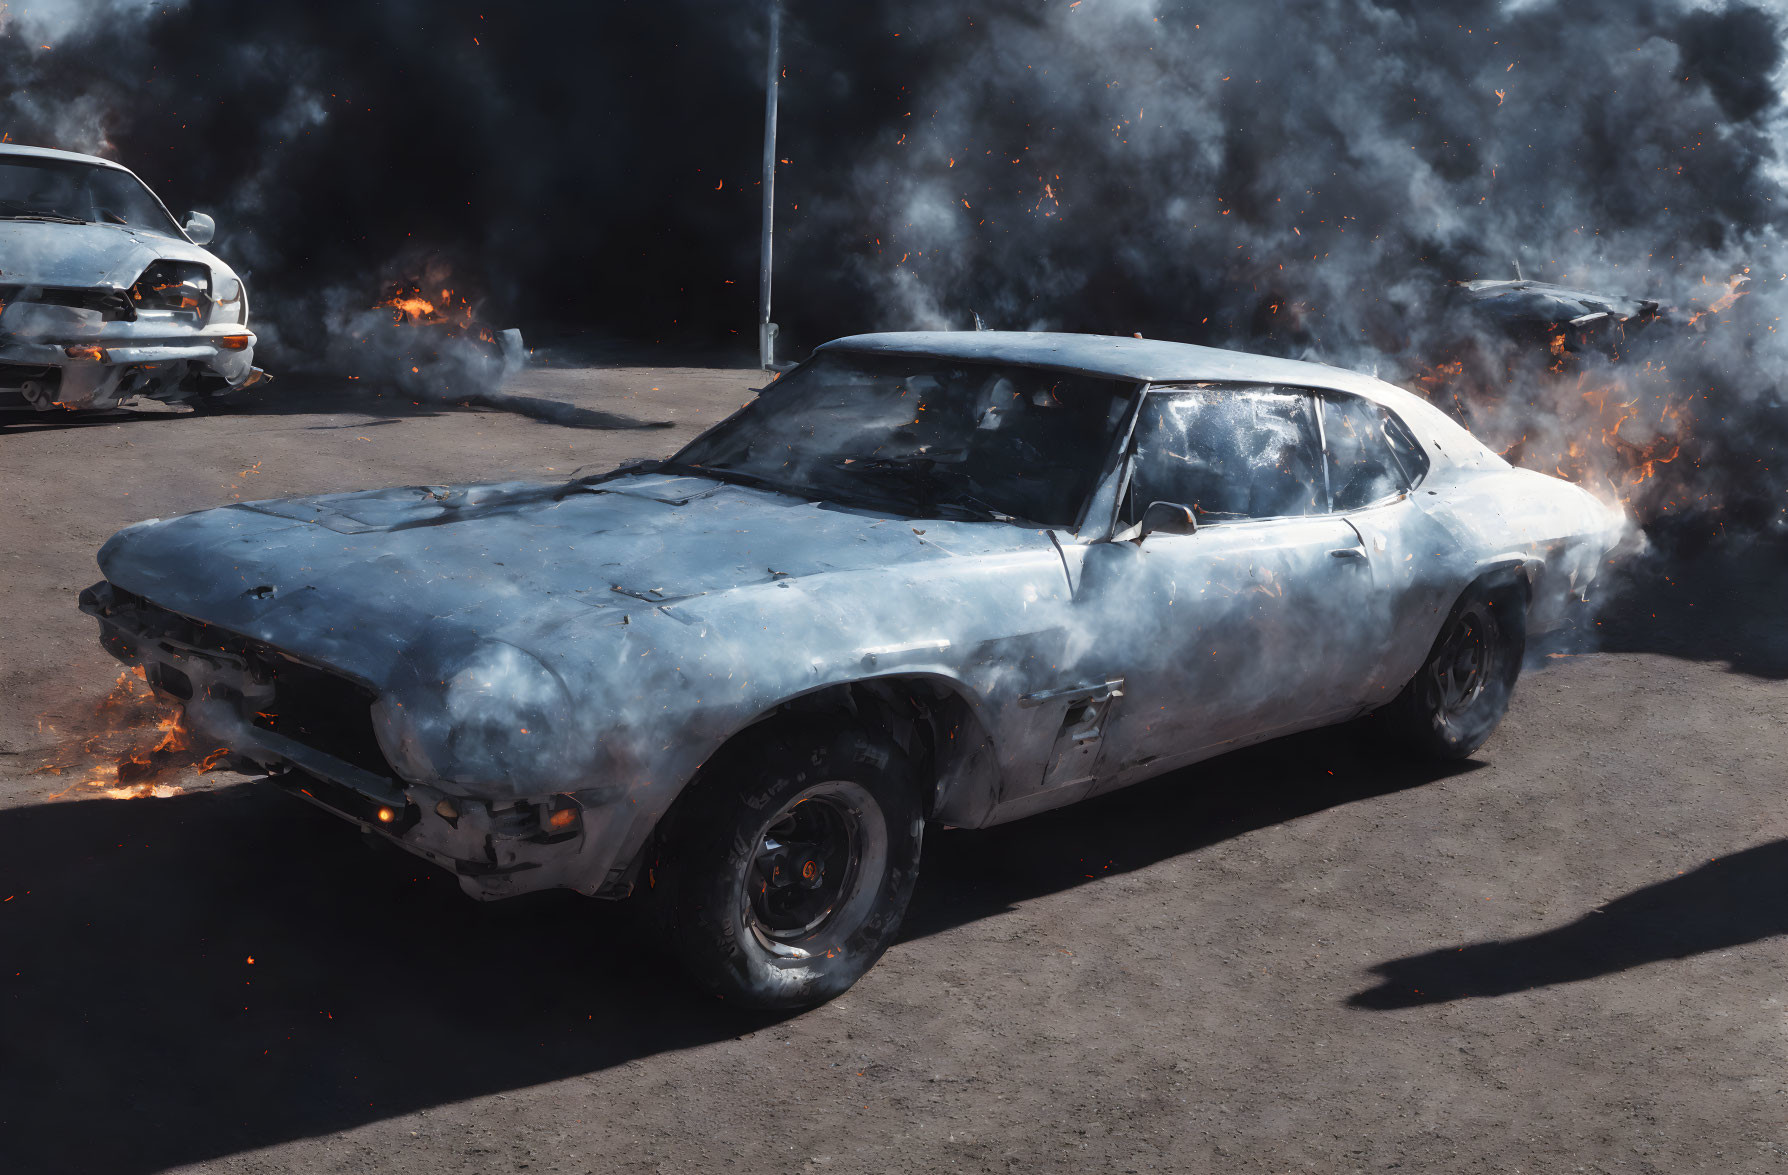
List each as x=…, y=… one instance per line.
x=411, y=305
x=131, y=744
x=1612, y=429
x=1725, y=300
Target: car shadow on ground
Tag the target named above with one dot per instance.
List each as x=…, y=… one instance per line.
x=19, y=421
x=1725, y=903
x=127, y=931
x=310, y=394
x=972, y=875
x=304, y=394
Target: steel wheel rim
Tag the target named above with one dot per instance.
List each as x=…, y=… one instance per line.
x=1461, y=666
x=807, y=872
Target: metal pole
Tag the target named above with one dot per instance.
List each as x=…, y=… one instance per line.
x=766, y=330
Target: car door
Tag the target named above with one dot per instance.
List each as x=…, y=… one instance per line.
x=1374, y=465
x=1239, y=630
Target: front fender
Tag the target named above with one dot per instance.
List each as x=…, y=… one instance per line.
x=676, y=682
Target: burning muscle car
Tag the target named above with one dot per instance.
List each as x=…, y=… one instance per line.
x=103, y=296
x=931, y=577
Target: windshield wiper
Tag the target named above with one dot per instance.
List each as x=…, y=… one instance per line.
x=52, y=217
x=730, y=475
x=19, y=210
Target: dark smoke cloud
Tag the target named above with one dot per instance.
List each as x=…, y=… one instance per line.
x=1298, y=178
x=550, y=155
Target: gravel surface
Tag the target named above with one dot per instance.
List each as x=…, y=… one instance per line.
x=1563, y=955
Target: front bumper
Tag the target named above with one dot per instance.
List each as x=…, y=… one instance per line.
x=162, y=360
x=313, y=730
x=494, y=852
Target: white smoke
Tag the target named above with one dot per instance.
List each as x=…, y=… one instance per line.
x=54, y=20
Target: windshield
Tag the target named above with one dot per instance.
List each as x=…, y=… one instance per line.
x=924, y=437
x=33, y=188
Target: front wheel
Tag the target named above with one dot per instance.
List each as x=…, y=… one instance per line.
x=783, y=875
x=1459, y=696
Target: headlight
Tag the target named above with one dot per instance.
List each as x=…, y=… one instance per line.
x=503, y=708
x=174, y=285
x=400, y=738
x=232, y=301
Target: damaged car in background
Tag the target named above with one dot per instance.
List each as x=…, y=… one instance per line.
x=923, y=579
x=104, y=296
x=1562, y=318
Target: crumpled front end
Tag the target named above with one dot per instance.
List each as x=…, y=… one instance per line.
x=174, y=334
x=325, y=737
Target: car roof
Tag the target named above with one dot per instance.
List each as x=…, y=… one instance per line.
x=1116, y=357
x=1160, y=361
x=52, y=153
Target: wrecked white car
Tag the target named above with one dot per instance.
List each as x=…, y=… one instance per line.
x=104, y=296
x=931, y=577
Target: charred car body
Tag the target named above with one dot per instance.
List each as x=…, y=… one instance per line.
x=1561, y=318
x=104, y=296
x=923, y=577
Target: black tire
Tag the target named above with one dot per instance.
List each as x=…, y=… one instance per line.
x=783, y=874
x=1458, y=697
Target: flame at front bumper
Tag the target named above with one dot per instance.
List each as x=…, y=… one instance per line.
x=291, y=720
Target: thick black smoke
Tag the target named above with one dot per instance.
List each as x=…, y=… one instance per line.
x=1300, y=178
x=554, y=157
x=1125, y=165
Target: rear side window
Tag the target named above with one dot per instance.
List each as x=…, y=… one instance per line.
x=1371, y=454
x=1405, y=448
x=1228, y=453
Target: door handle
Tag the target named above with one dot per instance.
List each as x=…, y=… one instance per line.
x=1098, y=692
x=1349, y=553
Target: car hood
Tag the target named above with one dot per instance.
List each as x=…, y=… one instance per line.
x=44, y=253
x=392, y=585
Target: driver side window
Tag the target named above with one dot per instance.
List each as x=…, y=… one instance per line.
x=1229, y=453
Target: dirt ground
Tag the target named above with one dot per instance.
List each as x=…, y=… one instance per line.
x=1564, y=955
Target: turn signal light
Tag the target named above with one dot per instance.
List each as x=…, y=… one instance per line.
x=563, y=818
x=233, y=342
x=88, y=352
x=387, y=815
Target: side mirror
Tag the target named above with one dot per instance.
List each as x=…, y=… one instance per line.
x=1166, y=518
x=200, y=229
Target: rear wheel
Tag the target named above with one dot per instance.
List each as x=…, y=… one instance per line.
x=1460, y=694
x=783, y=875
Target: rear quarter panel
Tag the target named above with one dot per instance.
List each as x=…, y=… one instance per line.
x=1557, y=532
